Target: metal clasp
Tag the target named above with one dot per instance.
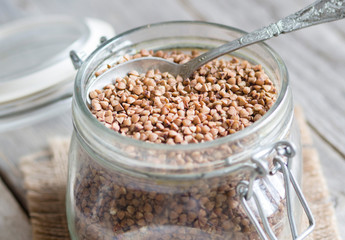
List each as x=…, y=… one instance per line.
x=78, y=58
x=283, y=153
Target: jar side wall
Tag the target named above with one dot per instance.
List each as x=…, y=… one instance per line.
x=72, y=177
x=106, y=203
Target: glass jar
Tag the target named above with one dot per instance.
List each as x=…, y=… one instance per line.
x=122, y=188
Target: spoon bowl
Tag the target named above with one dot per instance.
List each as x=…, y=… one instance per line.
x=141, y=65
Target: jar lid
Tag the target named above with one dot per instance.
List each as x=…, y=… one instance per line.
x=35, y=52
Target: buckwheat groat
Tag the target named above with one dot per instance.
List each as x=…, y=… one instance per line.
x=221, y=98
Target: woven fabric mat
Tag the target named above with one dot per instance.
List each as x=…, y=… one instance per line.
x=45, y=178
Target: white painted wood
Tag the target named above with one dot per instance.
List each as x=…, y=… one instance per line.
x=333, y=169
x=123, y=14
x=14, y=224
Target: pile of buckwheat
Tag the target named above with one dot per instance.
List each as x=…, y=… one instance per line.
x=221, y=98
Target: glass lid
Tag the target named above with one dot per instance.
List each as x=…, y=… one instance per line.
x=34, y=52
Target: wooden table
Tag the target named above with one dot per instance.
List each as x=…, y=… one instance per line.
x=315, y=58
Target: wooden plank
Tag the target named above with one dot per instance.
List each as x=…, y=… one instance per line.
x=333, y=167
x=26, y=140
x=14, y=224
x=123, y=14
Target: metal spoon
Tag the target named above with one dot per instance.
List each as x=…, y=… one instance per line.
x=319, y=12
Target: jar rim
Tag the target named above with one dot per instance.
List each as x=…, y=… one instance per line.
x=108, y=133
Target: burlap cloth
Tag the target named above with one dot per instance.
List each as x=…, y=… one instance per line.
x=45, y=177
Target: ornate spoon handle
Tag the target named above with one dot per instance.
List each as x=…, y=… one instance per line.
x=319, y=12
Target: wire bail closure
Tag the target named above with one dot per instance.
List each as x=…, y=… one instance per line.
x=284, y=152
x=78, y=58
